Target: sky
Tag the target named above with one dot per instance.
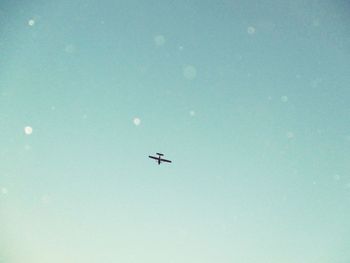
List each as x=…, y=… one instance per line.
x=249, y=99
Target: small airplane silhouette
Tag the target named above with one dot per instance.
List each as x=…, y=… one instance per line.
x=159, y=159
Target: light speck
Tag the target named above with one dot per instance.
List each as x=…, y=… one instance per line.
x=284, y=98
x=316, y=22
x=251, y=30
x=183, y=232
x=31, y=22
x=290, y=135
x=315, y=83
x=181, y=48
x=70, y=48
x=27, y=147
x=4, y=191
x=192, y=113
x=45, y=199
x=190, y=72
x=137, y=121
x=159, y=40
x=336, y=177
x=28, y=130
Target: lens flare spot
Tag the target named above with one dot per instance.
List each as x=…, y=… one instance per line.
x=28, y=130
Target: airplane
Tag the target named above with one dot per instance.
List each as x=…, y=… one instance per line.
x=159, y=159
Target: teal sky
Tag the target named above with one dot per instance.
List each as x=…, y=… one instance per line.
x=249, y=99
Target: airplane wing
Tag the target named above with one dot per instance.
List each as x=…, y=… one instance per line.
x=155, y=158
x=164, y=160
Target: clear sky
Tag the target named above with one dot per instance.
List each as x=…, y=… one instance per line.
x=249, y=99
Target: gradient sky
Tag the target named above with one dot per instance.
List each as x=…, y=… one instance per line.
x=249, y=99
